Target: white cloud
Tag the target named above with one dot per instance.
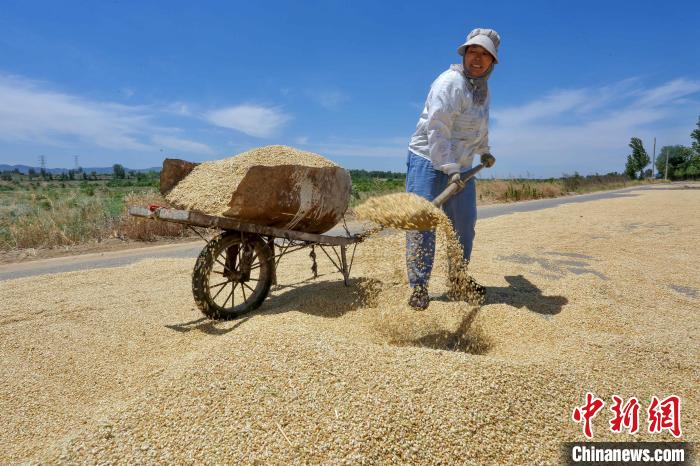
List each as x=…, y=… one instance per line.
x=555, y=103
x=253, y=120
x=387, y=147
x=301, y=140
x=178, y=108
x=587, y=130
x=329, y=99
x=29, y=112
x=184, y=145
x=669, y=92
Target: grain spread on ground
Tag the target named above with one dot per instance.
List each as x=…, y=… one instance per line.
x=208, y=188
x=118, y=365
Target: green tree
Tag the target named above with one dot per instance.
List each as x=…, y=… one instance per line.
x=119, y=173
x=693, y=168
x=639, y=158
x=675, y=155
x=680, y=159
x=695, y=136
x=631, y=168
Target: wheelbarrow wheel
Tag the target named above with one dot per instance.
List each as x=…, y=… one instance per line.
x=232, y=275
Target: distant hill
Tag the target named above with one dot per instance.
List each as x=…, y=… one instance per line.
x=57, y=171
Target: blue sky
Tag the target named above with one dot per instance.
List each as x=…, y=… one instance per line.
x=134, y=82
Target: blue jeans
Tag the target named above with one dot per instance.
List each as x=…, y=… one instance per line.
x=422, y=179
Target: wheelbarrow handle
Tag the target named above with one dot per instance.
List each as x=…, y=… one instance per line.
x=487, y=160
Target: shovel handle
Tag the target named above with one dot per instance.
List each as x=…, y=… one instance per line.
x=487, y=160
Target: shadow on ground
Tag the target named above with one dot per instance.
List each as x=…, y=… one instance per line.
x=558, y=267
x=467, y=338
x=208, y=326
x=523, y=293
x=323, y=299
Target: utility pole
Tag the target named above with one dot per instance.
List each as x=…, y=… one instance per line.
x=666, y=173
x=653, y=160
x=75, y=158
x=42, y=164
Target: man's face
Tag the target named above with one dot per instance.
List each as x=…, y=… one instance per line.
x=477, y=60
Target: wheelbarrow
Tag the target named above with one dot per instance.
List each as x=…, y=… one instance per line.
x=273, y=212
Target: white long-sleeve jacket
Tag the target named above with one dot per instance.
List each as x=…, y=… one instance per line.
x=452, y=128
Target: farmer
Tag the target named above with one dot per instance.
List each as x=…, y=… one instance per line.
x=451, y=131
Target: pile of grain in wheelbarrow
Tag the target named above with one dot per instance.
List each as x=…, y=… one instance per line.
x=209, y=186
x=408, y=211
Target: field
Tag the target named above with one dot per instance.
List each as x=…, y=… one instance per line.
x=49, y=214
x=117, y=365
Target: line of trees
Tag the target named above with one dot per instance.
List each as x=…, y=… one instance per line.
x=673, y=162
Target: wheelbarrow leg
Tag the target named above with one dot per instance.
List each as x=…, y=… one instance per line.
x=271, y=244
x=344, y=264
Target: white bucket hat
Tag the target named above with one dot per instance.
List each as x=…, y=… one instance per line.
x=487, y=38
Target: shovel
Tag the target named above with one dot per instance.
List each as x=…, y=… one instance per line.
x=487, y=160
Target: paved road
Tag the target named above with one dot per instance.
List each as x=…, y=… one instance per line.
x=527, y=206
x=124, y=257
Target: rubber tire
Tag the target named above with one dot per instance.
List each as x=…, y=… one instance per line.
x=202, y=270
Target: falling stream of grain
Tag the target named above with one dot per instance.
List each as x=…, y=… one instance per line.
x=408, y=211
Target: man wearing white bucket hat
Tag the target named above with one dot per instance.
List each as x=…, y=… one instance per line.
x=451, y=131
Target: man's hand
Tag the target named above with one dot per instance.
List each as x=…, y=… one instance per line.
x=457, y=178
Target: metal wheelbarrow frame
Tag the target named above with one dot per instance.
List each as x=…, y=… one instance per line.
x=244, y=258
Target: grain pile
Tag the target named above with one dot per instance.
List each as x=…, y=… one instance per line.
x=117, y=365
x=209, y=186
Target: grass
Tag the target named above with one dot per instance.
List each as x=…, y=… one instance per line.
x=367, y=184
x=46, y=214
x=491, y=191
